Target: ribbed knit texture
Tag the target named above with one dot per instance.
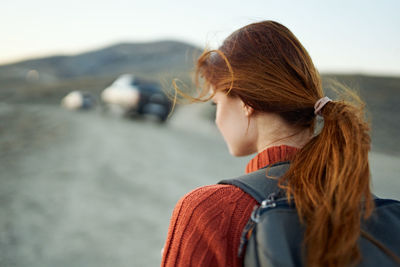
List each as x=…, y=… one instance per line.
x=269, y=156
x=207, y=223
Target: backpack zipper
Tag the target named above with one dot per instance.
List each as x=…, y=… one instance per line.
x=269, y=202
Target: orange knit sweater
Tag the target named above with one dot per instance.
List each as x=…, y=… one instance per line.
x=207, y=223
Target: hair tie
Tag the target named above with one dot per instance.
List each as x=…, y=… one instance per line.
x=320, y=104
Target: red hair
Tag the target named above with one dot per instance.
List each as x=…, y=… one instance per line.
x=267, y=67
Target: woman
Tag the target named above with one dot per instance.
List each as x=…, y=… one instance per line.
x=268, y=93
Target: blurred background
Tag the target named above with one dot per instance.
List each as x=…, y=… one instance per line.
x=91, y=166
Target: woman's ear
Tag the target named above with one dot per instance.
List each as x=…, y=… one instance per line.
x=248, y=110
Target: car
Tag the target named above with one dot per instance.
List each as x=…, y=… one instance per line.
x=78, y=100
x=137, y=97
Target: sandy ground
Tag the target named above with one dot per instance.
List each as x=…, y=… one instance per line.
x=82, y=189
x=88, y=189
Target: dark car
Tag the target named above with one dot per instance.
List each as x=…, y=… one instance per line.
x=152, y=100
x=138, y=97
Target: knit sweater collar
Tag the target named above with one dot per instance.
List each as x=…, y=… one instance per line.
x=269, y=156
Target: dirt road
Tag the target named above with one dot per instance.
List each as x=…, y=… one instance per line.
x=88, y=189
x=83, y=189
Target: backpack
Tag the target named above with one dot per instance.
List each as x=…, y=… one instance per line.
x=273, y=235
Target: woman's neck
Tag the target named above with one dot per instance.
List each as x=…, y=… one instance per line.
x=297, y=140
x=273, y=131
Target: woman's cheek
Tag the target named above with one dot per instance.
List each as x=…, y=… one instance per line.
x=218, y=121
x=216, y=115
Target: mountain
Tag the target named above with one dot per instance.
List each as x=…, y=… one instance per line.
x=149, y=57
x=48, y=79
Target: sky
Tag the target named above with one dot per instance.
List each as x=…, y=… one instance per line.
x=353, y=36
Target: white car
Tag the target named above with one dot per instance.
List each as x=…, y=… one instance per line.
x=122, y=93
x=77, y=100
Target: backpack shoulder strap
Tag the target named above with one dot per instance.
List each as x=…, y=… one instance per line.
x=257, y=184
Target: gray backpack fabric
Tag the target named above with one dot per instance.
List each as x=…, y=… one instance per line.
x=273, y=235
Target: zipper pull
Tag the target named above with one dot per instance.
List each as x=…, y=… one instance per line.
x=269, y=202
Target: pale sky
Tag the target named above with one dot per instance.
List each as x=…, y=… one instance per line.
x=360, y=36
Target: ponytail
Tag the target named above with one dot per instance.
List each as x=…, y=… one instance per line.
x=329, y=180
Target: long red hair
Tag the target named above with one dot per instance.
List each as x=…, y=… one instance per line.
x=267, y=67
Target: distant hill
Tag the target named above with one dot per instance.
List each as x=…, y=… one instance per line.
x=51, y=76
x=149, y=57
x=382, y=96
x=47, y=80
